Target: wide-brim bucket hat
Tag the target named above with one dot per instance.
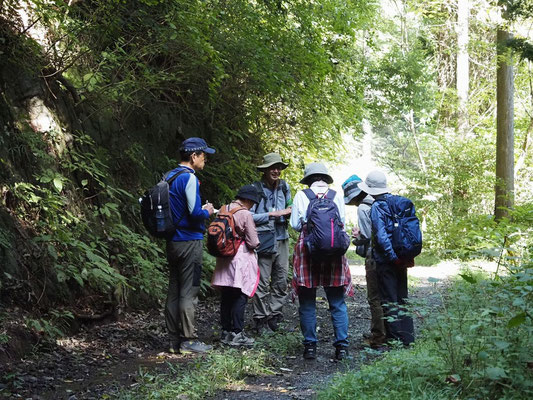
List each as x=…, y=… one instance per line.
x=271, y=159
x=316, y=168
x=374, y=184
x=350, y=188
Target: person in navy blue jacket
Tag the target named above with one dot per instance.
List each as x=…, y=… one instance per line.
x=184, y=250
x=391, y=270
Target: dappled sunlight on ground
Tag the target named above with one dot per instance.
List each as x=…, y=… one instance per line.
x=441, y=271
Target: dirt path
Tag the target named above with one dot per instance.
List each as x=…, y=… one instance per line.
x=103, y=359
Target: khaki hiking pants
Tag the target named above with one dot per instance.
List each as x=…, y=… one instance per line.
x=377, y=324
x=271, y=293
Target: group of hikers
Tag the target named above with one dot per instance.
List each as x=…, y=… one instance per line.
x=258, y=267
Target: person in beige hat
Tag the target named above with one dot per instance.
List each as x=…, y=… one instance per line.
x=270, y=217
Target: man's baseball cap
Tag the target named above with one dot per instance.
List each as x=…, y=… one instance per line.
x=196, y=144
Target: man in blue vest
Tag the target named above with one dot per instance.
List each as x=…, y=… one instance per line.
x=184, y=250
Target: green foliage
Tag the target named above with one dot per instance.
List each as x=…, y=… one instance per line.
x=78, y=226
x=475, y=345
x=201, y=378
x=140, y=260
x=245, y=75
x=208, y=267
x=480, y=235
x=52, y=326
x=280, y=343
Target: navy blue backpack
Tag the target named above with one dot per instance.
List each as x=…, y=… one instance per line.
x=325, y=230
x=406, y=235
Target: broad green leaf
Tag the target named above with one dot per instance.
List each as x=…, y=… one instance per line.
x=495, y=373
x=468, y=278
x=61, y=276
x=52, y=252
x=517, y=320
x=58, y=184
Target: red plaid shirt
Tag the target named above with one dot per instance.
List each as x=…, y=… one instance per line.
x=328, y=272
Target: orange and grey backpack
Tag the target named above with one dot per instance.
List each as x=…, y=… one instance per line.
x=222, y=239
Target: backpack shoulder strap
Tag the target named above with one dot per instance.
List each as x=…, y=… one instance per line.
x=284, y=187
x=234, y=210
x=330, y=194
x=169, y=181
x=310, y=194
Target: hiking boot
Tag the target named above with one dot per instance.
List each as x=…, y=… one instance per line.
x=225, y=337
x=375, y=341
x=310, y=351
x=261, y=326
x=273, y=322
x=194, y=346
x=174, y=348
x=341, y=353
x=367, y=335
x=240, y=339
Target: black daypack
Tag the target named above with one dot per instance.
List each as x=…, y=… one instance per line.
x=155, y=208
x=325, y=231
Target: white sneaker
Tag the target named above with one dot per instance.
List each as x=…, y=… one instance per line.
x=240, y=339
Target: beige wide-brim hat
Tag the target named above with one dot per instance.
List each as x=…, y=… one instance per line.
x=316, y=168
x=272, y=159
x=374, y=184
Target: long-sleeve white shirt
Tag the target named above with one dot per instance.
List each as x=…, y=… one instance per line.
x=301, y=202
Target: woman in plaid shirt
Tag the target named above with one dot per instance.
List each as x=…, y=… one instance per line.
x=333, y=273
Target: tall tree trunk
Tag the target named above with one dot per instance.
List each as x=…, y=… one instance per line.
x=462, y=74
x=504, y=191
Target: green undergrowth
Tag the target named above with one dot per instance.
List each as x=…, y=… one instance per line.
x=475, y=344
x=225, y=368
x=200, y=378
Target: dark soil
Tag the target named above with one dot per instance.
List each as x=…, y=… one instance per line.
x=102, y=359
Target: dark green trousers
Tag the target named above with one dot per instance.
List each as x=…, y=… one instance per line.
x=185, y=269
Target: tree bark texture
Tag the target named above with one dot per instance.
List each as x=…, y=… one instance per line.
x=504, y=191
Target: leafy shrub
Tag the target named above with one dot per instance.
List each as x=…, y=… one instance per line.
x=476, y=345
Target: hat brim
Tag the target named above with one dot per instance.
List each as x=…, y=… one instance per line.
x=372, y=191
x=255, y=199
x=305, y=179
x=209, y=150
x=352, y=195
x=265, y=166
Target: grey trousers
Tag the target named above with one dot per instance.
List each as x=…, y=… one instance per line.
x=271, y=293
x=185, y=269
x=377, y=323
